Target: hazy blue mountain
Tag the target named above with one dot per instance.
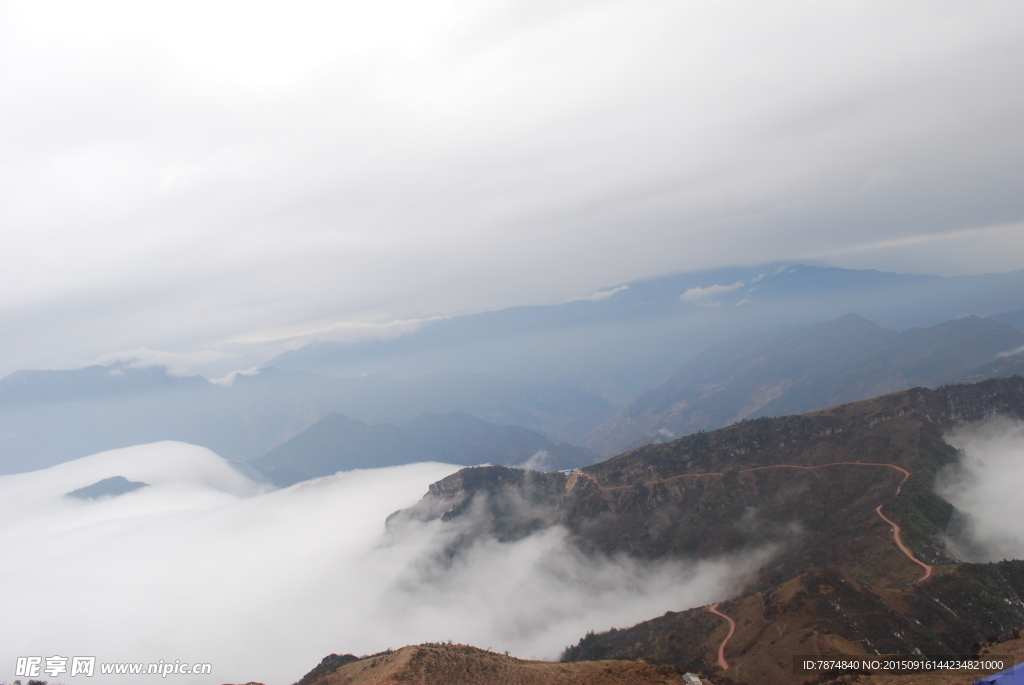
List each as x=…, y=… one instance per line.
x=91, y=383
x=794, y=370
x=625, y=342
x=339, y=443
x=547, y=368
x=1014, y=318
x=1010, y=363
x=47, y=417
x=108, y=487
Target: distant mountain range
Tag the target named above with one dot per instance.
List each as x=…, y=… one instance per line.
x=558, y=366
x=793, y=370
x=48, y=417
x=339, y=443
x=827, y=488
x=621, y=341
x=1015, y=319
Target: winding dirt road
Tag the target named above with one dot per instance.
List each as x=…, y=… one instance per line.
x=722, y=662
x=903, y=548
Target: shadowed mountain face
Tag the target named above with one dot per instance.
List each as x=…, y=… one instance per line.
x=338, y=443
x=825, y=490
x=789, y=371
x=48, y=417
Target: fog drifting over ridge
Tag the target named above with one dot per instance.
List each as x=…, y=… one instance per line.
x=204, y=565
x=986, y=488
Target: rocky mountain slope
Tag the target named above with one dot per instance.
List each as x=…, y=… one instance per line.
x=844, y=495
x=789, y=371
x=824, y=613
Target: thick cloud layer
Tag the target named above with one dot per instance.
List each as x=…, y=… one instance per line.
x=204, y=565
x=219, y=175
x=988, y=490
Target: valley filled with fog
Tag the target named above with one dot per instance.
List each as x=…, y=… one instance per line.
x=205, y=565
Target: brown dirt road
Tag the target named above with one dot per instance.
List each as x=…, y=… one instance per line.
x=722, y=663
x=903, y=548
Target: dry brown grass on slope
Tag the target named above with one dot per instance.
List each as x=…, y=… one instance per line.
x=465, y=665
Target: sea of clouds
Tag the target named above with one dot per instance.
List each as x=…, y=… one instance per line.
x=206, y=565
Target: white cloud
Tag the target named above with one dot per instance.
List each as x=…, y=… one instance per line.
x=340, y=331
x=204, y=565
x=1010, y=353
x=229, y=380
x=705, y=297
x=976, y=249
x=599, y=295
x=540, y=461
x=985, y=488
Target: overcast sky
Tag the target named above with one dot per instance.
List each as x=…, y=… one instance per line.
x=183, y=175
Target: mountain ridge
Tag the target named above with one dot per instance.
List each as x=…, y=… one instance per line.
x=864, y=531
x=593, y=343
x=47, y=417
x=339, y=443
x=789, y=371
x=466, y=665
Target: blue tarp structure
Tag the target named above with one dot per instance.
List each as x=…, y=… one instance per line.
x=1011, y=676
